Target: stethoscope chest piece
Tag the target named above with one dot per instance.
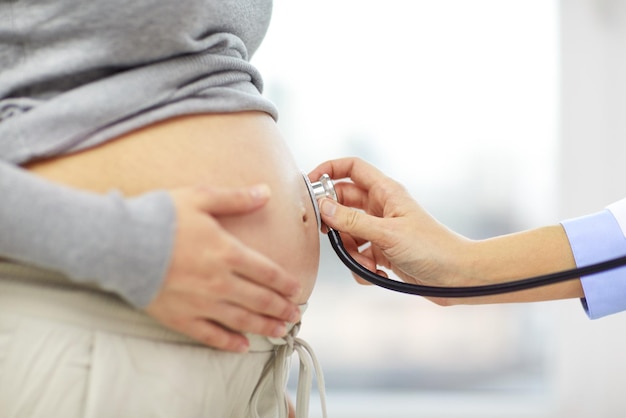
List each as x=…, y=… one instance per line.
x=318, y=190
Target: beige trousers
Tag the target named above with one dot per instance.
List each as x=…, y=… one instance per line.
x=73, y=352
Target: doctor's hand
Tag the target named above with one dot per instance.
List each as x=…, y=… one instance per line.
x=402, y=236
x=381, y=225
x=217, y=288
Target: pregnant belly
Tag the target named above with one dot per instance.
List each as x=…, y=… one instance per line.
x=218, y=149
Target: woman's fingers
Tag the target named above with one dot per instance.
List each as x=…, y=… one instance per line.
x=216, y=336
x=259, y=269
x=231, y=200
x=257, y=298
x=216, y=312
x=234, y=317
x=217, y=288
x=245, y=261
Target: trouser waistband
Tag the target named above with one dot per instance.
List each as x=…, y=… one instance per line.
x=32, y=291
x=37, y=292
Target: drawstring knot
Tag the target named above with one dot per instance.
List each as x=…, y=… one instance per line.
x=285, y=347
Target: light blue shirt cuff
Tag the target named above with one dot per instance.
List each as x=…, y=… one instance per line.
x=595, y=238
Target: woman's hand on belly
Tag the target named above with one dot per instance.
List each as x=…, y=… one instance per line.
x=233, y=265
x=215, y=283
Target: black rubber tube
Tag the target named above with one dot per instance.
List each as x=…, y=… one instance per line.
x=467, y=291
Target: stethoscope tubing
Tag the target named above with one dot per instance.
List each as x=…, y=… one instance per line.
x=325, y=188
x=466, y=291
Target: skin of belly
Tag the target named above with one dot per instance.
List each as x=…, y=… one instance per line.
x=236, y=149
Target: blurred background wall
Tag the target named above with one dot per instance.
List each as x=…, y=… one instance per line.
x=589, y=366
x=498, y=115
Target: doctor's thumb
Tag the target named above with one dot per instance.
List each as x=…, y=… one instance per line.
x=345, y=219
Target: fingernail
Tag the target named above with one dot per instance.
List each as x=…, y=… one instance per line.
x=260, y=191
x=243, y=347
x=280, y=330
x=328, y=207
x=297, y=291
x=294, y=317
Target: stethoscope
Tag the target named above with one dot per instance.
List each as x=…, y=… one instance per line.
x=326, y=188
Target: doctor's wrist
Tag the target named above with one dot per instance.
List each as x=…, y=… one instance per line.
x=518, y=256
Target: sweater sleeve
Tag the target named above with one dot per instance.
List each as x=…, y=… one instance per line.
x=595, y=238
x=120, y=244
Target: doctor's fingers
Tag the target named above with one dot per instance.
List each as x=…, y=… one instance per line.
x=386, y=198
x=362, y=256
x=353, y=244
x=350, y=194
x=361, y=172
x=354, y=222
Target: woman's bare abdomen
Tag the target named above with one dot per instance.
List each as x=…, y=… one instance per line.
x=233, y=149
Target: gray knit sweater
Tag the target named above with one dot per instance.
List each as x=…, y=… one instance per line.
x=76, y=73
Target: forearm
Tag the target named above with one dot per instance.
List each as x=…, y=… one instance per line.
x=122, y=245
x=516, y=256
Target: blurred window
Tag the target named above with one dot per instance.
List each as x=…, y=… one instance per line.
x=457, y=100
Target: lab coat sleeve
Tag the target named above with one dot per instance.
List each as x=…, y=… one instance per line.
x=122, y=245
x=594, y=238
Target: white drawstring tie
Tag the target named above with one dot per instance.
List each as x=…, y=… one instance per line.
x=285, y=346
